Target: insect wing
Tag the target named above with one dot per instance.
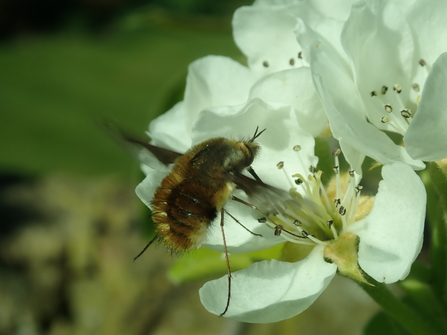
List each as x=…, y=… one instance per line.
x=262, y=195
x=151, y=155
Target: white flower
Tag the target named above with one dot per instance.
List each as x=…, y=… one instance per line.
x=390, y=235
x=389, y=239
x=276, y=92
x=374, y=84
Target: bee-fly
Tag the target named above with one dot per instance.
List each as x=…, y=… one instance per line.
x=201, y=182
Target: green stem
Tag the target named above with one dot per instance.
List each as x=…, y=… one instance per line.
x=406, y=317
x=437, y=215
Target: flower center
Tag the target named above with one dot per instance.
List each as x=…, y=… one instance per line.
x=315, y=215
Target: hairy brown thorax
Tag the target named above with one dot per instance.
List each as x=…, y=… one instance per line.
x=200, y=184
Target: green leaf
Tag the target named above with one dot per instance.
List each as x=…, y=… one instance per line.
x=383, y=324
x=420, y=297
x=436, y=183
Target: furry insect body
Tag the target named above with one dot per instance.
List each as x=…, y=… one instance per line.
x=201, y=182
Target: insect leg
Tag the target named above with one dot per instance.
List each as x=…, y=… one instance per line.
x=147, y=246
x=242, y=224
x=278, y=228
x=254, y=174
x=222, y=213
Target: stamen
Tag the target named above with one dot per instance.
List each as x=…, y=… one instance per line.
x=312, y=169
x=384, y=119
x=336, y=152
x=397, y=88
x=373, y=93
x=278, y=230
x=406, y=113
x=334, y=231
x=310, y=216
x=299, y=181
x=388, y=108
x=384, y=89
x=337, y=180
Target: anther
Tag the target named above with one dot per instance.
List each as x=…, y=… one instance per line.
x=342, y=210
x=397, y=88
x=337, y=202
x=297, y=223
x=384, y=89
x=422, y=62
x=262, y=220
x=416, y=87
x=312, y=169
x=406, y=113
x=335, y=169
x=297, y=148
x=388, y=108
x=373, y=93
x=300, y=55
x=384, y=119
x=280, y=165
x=299, y=181
x=265, y=63
x=330, y=223
x=336, y=152
x=351, y=173
x=292, y=61
x=278, y=230
x=358, y=188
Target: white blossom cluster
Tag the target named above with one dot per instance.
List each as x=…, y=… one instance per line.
x=374, y=72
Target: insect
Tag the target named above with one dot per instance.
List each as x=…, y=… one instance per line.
x=200, y=184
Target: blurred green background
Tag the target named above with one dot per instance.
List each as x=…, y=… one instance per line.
x=121, y=59
x=70, y=220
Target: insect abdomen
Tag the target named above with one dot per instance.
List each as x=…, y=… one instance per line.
x=181, y=214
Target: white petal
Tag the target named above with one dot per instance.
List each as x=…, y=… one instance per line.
x=295, y=88
x=337, y=9
x=426, y=137
x=216, y=81
x=391, y=234
x=360, y=135
x=428, y=20
x=380, y=44
x=211, y=81
x=265, y=35
x=270, y=291
x=171, y=130
x=146, y=189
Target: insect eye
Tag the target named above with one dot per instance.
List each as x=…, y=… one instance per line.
x=251, y=155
